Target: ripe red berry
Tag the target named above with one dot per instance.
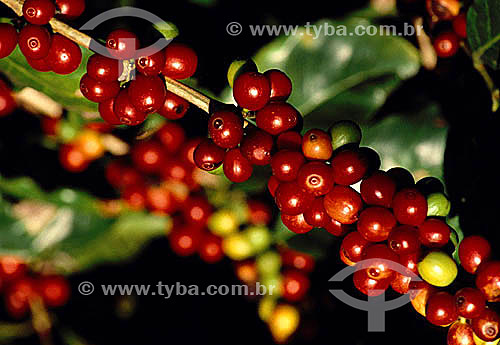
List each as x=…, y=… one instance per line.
x=38, y=12
x=434, y=233
x=441, y=309
x=174, y=107
x=259, y=212
x=197, y=210
x=103, y=68
x=380, y=260
x=285, y=164
x=125, y=110
x=291, y=199
x=54, y=290
x=185, y=241
x=403, y=240
x=8, y=39
x=160, y=199
x=12, y=268
x=378, y=189
x=446, y=44
x=18, y=296
x=272, y=185
x=148, y=156
x=281, y=85
x=488, y=280
x=376, y=223
x=120, y=176
x=411, y=260
x=172, y=137
x=208, y=156
x=290, y=140
x=41, y=65
x=335, y=227
x=410, y=207
x=470, y=302
x=34, y=41
x=277, y=117
x=147, y=94
x=71, y=9
x=107, y=112
x=226, y=129
x=316, y=214
x=135, y=196
x=98, y=91
x=236, y=167
x=460, y=25
x=369, y=286
x=473, y=251
x=72, y=159
x=294, y=286
x=180, y=61
x=297, y=260
x=187, y=150
x=256, y=147
x=64, y=55
x=353, y=246
x=151, y=65
x=210, y=248
x=349, y=167
x=401, y=283
x=252, y=90
x=122, y=44
x=316, y=178
x=7, y=101
x=343, y=204
x=317, y=145
x=487, y=325
x=296, y=223
x=460, y=334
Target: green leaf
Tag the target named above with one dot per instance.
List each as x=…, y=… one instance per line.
x=483, y=30
x=314, y=243
x=456, y=236
x=64, y=89
x=167, y=29
x=354, y=74
x=204, y=3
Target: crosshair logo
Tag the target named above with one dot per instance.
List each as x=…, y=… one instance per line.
x=127, y=11
x=376, y=305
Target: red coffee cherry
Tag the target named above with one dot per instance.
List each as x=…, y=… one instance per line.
x=236, y=167
x=187, y=150
x=8, y=39
x=376, y=223
x=369, y=286
x=460, y=25
x=294, y=286
x=208, y=156
x=103, y=68
x=197, y=210
x=410, y=207
x=379, y=269
x=41, y=65
x=488, y=280
x=160, y=199
x=300, y=261
x=226, y=129
x=152, y=65
x=185, y=241
x=316, y=178
x=148, y=156
x=34, y=41
x=470, y=302
x=72, y=159
x=71, y=9
x=281, y=85
x=353, y=246
x=125, y=110
x=441, y=309
x=343, y=204
x=147, y=94
x=135, y=196
x=210, y=248
x=12, y=268
x=316, y=214
x=446, y=44
x=172, y=137
x=404, y=240
x=174, y=107
x=120, y=175
x=256, y=147
x=18, y=296
x=290, y=140
x=176, y=170
x=317, y=145
x=272, y=185
x=64, y=55
x=107, y=112
x=378, y=189
x=335, y=227
x=402, y=177
x=38, y=12
x=98, y=91
x=7, y=102
x=251, y=90
x=349, y=167
x=291, y=199
x=285, y=164
x=411, y=260
x=277, y=117
x=259, y=212
x=487, y=325
x=180, y=61
x=54, y=290
x=400, y=283
x=122, y=44
x=434, y=233
x=473, y=251
x=460, y=334
x=296, y=223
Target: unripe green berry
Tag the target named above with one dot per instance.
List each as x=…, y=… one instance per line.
x=438, y=205
x=272, y=283
x=344, y=133
x=268, y=263
x=66, y=131
x=239, y=67
x=259, y=237
x=438, y=269
x=267, y=304
x=223, y=223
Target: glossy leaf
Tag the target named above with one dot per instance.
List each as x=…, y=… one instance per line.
x=483, y=30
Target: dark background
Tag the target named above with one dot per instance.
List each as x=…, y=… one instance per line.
x=471, y=175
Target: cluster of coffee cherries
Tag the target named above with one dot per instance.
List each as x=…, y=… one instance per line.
x=130, y=101
x=7, y=101
x=43, y=50
x=21, y=288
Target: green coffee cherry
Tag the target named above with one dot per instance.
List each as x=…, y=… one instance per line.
x=267, y=304
x=223, y=223
x=239, y=67
x=237, y=247
x=345, y=132
x=438, y=269
x=259, y=237
x=66, y=131
x=272, y=284
x=268, y=263
x=438, y=205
